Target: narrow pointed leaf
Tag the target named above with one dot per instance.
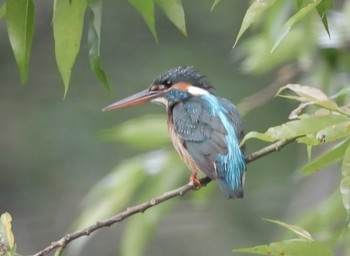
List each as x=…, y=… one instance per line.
x=20, y=27
x=345, y=169
x=59, y=251
x=140, y=230
x=148, y=131
x=295, y=247
x=323, y=8
x=345, y=182
x=299, y=231
x=345, y=191
x=109, y=195
x=216, y=2
x=173, y=9
x=68, y=24
x=94, y=38
x=305, y=93
x=332, y=155
x=252, y=15
x=302, y=13
x=343, y=92
x=309, y=151
x=308, y=95
x=146, y=8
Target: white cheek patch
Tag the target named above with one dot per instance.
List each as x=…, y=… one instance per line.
x=194, y=90
x=160, y=100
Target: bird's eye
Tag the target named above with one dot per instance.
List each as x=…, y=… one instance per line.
x=168, y=83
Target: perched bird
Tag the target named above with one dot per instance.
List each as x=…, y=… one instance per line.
x=205, y=129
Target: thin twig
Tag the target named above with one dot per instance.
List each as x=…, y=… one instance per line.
x=267, y=150
x=64, y=241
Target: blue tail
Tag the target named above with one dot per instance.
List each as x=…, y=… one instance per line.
x=230, y=192
x=231, y=171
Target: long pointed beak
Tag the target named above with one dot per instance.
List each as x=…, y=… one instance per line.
x=133, y=100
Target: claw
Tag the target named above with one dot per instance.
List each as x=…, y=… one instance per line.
x=196, y=182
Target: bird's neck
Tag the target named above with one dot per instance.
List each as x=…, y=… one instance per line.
x=172, y=97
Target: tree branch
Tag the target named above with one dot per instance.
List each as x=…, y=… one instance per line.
x=62, y=243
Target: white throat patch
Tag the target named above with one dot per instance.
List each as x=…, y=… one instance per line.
x=160, y=100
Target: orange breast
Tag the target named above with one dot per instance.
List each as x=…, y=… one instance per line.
x=181, y=150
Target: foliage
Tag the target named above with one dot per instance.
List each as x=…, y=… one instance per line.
x=303, y=245
x=7, y=240
x=327, y=123
x=68, y=25
x=130, y=133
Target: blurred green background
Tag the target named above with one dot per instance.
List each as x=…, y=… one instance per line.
x=51, y=153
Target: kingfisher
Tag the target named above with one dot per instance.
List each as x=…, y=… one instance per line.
x=205, y=129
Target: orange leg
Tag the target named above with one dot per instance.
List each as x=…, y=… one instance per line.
x=196, y=182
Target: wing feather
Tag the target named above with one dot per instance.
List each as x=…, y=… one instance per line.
x=200, y=134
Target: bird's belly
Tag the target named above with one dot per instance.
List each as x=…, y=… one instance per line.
x=181, y=150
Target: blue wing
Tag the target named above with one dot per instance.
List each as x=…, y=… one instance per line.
x=203, y=128
x=231, y=167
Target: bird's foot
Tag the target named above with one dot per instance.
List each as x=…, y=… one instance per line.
x=196, y=182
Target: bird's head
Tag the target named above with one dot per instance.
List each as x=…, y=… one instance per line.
x=175, y=85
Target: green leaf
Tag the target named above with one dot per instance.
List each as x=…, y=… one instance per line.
x=293, y=20
x=343, y=92
x=334, y=132
x=68, y=21
x=146, y=8
x=293, y=247
x=310, y=140
x=2, y=10
x=300, y=4
x=59, y=251
x=20, y=27
x=308, y=96
x=6, y=231
x=257, y=135
x=326, y=218
x=345, y=191
x=216, y=2
x=110, y=195
x=101, y=202
x=299, y=231
x=257, y=48
x=345, y=183
x=332, y=155
x=137, y=179
x=345, y=169
x=140, y=230
x=296, y=128
x=173, y=9
x=323, y=8
x=94, y=38
x=147, y=131
x=305, y=93
x=252, y=15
